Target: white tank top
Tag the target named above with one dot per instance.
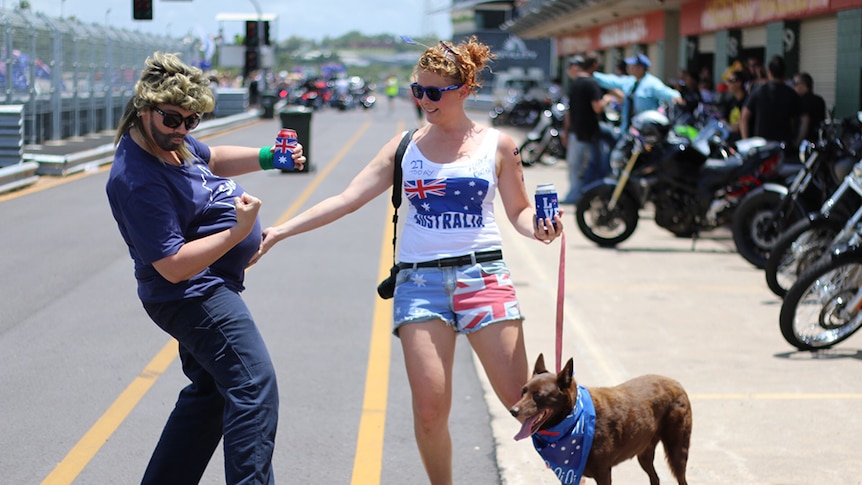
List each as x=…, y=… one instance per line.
x=450, y=206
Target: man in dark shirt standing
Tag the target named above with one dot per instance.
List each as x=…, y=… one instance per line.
x=812, y=104
x=581, y=133
x=774, y=110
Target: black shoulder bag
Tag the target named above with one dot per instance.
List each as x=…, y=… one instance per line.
x=386, y=289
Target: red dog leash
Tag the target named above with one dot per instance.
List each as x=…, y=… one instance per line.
x=561, y=291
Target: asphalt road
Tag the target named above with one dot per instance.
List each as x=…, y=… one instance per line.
x=88, y=380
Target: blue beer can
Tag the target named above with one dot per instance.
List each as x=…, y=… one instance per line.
x=547, y=205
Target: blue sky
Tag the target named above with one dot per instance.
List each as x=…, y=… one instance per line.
x=312, y=19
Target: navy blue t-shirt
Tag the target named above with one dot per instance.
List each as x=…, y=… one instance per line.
x=159, y=207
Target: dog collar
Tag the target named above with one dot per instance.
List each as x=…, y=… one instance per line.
x=566, y=446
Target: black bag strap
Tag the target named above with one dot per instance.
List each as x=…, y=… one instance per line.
x=630, y=100
x=396, y=185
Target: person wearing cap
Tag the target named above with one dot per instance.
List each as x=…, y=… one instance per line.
x=642, y=90
x=581, y=132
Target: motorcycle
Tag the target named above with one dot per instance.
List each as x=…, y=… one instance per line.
x=544, y=142
x=690, y=191
x=343, y=102
x=824, y=306
x=766, y=212
x=367, y=100
x=804, y=242
x=521, y=111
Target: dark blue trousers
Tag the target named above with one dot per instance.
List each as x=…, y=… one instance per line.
x=233, y=393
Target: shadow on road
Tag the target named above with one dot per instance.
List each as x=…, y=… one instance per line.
x=827, y=354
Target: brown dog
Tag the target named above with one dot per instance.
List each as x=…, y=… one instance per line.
x=630, y=420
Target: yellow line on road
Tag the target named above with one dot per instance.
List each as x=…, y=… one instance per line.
x=368, y=460
x=49, y=182
x=87, y=447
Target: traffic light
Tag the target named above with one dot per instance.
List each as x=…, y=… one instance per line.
x=251, y=36
x=252, y=60
x=252, y=33
x=142, y=9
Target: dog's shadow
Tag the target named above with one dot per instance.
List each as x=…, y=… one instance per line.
x=824, y=354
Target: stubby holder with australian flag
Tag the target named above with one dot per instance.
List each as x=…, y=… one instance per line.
x=285, y=142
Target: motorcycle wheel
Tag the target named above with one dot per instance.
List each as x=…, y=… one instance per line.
x=554, y=152
x=756, y=225
x=531, y=152
x=796, y=250
x=603, y=226
x=496, y=117
x=816, y=313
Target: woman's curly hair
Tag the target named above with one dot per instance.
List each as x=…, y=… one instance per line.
x=165, y=79
x=462, y=63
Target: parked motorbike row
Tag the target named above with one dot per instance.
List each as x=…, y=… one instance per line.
x=800, y=222
x=694, y=185
x=318, y=93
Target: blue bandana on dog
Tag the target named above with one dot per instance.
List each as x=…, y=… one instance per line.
x=565, y=446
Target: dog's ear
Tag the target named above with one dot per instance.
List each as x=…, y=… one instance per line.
x=566, y=376
x=539, y=368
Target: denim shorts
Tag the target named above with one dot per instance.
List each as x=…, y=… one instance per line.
x=467, y=298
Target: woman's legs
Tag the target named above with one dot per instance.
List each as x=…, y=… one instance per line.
x=500, y=348
x=429, y=352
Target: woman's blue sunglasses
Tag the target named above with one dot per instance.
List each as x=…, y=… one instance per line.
x=434, y=94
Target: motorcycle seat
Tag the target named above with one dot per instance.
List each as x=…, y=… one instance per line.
x=749, y=144
x=722, y=164
x=716, y=171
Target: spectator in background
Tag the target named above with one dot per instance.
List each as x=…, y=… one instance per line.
x=774, y=110
x=642, y=90
x=812, y=104
x=732, y=102
x=688, y=89
x=707, y=92
x=581, y=133
x=391, y=91
x=756, y=74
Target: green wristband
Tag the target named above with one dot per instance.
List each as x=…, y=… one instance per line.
x=265, y=158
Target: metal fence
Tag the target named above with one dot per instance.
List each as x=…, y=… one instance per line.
x=74, y=78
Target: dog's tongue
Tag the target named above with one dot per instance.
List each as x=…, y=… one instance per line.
x=527, y=428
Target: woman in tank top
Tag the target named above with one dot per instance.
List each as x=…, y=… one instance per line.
x=452, y=279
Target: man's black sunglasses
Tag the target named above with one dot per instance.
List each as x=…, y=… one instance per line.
x=173, y=120
x=434, y=94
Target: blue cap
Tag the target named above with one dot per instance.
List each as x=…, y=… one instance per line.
x=639, y=59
